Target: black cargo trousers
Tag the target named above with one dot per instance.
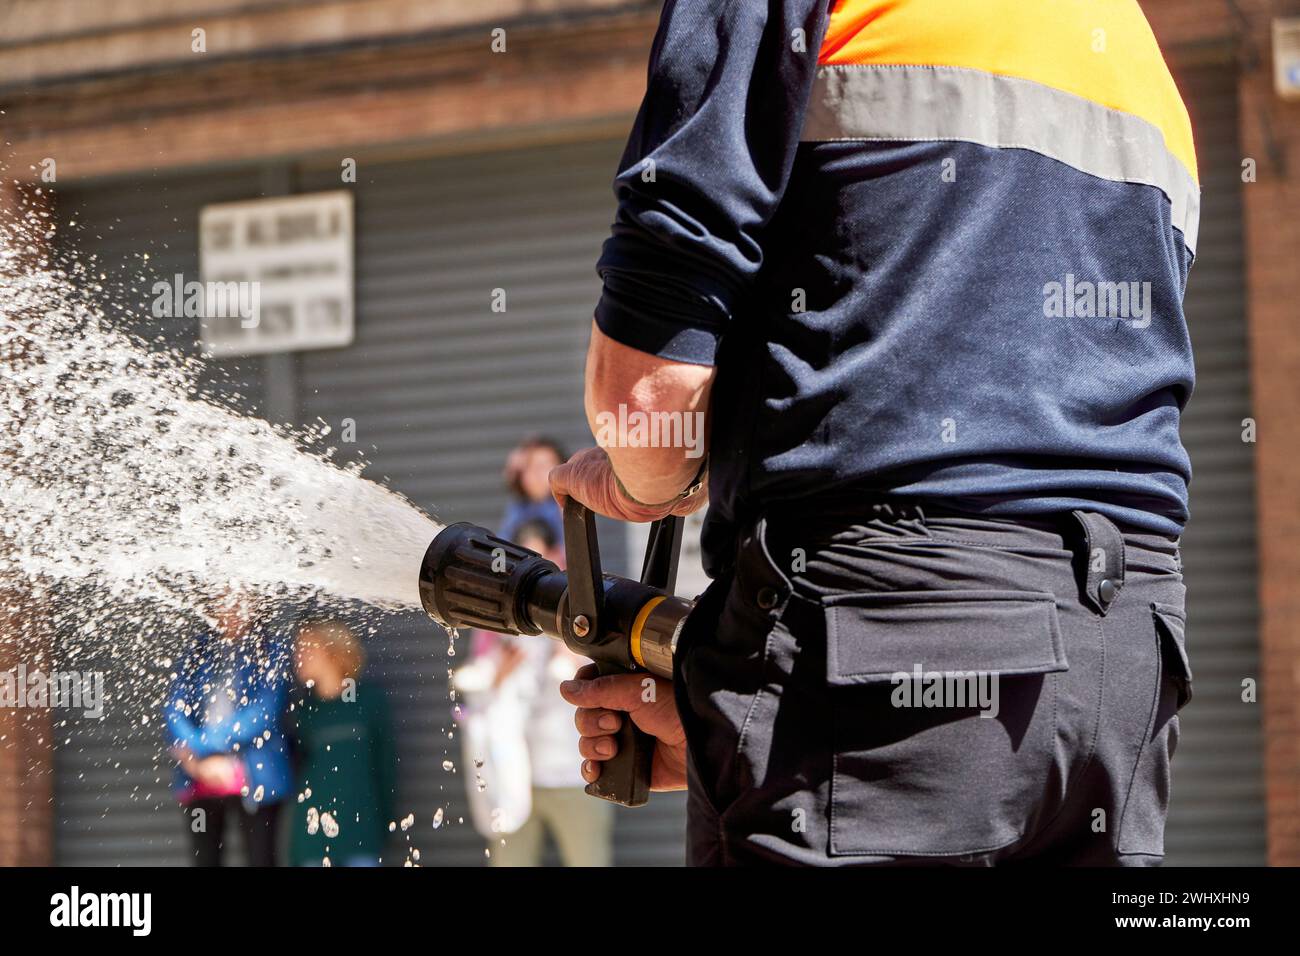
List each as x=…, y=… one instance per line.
x=896, y=685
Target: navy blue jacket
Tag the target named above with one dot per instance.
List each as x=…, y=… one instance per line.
x=956, y=280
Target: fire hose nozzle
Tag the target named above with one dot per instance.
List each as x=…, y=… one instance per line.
x=471, y=578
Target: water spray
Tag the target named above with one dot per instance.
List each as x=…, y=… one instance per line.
x=472, y=578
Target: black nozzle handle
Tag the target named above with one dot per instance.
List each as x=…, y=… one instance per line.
x=586, y=585
x=625, y=778
x=662, y=552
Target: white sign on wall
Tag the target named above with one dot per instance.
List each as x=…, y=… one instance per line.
x=287, y=263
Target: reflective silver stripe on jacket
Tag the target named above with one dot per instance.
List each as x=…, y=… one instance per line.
x=926, y=103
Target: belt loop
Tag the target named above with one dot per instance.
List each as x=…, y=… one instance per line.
x=1103, y=559
x=763, y=575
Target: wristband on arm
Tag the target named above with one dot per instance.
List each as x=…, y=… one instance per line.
x=694, y=487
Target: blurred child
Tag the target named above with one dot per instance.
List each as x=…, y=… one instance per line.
x=346, y=768
x=224, y=728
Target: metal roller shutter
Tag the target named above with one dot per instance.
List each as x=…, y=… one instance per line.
x=1217, y=806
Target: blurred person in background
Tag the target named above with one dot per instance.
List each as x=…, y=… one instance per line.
x=346, y=767
x=527, y=478
x=224, y=726
x=526, y=475
x=520, y=734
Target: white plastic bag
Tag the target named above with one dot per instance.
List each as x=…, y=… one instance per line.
x=494, y=742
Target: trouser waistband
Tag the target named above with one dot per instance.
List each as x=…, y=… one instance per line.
x=1101, y=553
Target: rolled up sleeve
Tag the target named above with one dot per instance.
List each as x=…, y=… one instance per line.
x=705, y=169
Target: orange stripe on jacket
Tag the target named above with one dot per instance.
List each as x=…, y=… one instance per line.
x=1101, y=50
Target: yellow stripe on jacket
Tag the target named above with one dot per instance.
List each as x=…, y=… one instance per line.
x=1100, y=50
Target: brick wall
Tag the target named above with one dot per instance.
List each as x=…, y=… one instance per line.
x=26, y=744
x=440, y=92
x=26, y=753
x=53, y=40
x=1270, y=134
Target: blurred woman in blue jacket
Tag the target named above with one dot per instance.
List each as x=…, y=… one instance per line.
x=527, y=478
x=224, y=721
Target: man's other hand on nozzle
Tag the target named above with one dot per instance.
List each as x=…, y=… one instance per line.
x=605, y=702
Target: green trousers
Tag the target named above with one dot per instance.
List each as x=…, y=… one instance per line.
x=581, y=826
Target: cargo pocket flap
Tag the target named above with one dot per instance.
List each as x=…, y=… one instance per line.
x=873, y=638
x=1172, y=626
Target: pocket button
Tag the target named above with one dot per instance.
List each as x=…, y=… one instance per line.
x=1106, y=591
x=767, y=598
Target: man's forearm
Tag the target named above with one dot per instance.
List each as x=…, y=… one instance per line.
x=649, y=414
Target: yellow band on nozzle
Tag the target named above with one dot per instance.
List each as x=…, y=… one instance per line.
x=641, y=617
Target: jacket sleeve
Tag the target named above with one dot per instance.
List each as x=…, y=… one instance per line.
x=181, y=727
x=705, y=168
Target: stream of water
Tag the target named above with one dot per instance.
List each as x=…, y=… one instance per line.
x=116, y=471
